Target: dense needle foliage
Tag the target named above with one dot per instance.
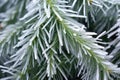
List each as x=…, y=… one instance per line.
x=59, y=39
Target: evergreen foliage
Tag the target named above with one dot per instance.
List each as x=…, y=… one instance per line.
x=54, y=39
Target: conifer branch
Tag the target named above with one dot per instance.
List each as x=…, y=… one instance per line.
x=50, y=42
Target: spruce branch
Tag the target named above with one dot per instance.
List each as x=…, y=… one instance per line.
x=11, y=28
x=114, y=31
x=51, y=39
